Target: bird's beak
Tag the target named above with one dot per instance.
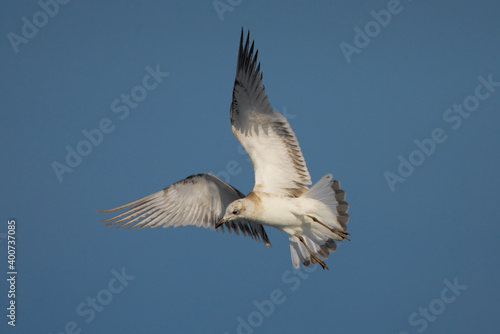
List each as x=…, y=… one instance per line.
x=220, y=222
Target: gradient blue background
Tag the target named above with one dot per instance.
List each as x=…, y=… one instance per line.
x=351, y=119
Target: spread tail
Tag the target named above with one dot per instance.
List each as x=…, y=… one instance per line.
x=328, y=224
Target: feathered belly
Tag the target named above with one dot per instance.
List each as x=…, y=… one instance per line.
x=281, y=213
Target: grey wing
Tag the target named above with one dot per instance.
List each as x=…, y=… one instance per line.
x=198, y=200
x=266, y=135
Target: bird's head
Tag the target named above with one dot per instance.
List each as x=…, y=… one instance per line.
x=234, y=210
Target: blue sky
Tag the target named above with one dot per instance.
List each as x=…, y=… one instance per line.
x=402, y=110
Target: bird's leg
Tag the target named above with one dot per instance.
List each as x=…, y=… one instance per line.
x=342, y=234
x=313, y=255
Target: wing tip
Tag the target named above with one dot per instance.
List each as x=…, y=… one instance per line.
x=246, y=59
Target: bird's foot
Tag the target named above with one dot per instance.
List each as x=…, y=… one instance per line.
x=342, y=234
x=312, y=254
x=320, y=261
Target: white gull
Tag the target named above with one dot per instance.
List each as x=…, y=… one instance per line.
x=314, y=218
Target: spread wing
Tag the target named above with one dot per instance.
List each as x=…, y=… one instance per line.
x=265, y=134
x=199, y=200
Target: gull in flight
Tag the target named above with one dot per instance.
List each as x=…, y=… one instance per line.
x=314, y=218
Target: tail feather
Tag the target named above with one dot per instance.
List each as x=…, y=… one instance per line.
x=300, y=254
x=328, y=191
x=343, y=206
x=329, y=223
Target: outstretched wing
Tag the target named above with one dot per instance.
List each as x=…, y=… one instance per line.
x=198, y=200
x=265, y=134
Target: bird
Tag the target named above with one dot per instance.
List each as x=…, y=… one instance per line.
x=315, y=217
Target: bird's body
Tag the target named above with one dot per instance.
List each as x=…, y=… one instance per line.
x=283, y=213
x=288, y=214
x=314, y=218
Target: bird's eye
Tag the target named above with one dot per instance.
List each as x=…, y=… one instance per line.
x=235, y=212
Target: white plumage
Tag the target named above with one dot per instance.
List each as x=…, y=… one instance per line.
x=313, y=217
